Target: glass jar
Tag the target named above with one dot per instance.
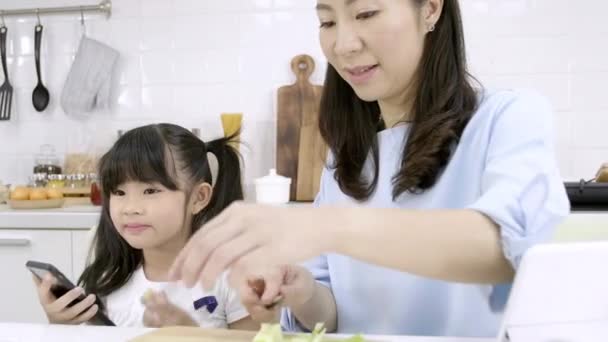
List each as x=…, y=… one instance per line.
x=90, y=179
x=74, y=181
x=4, y=193
x=69, y=181
x=56, y=181
x=38, y=180
x=47, y=161
x=80, y=180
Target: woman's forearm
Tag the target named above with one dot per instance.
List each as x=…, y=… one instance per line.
x=451, y=245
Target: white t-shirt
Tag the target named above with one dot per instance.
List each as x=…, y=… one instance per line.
x=214, y=309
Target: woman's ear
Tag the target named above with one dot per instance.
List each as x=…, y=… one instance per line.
x=201, y=196
x=432, y=13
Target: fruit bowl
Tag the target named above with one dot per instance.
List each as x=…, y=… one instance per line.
x=36, y=204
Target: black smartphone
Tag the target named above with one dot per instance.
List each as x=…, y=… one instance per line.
x=63, y=285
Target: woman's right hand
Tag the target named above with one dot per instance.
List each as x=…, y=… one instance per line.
x=57, y=310
x=288, y=285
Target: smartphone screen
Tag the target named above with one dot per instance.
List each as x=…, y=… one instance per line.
x=40, y=273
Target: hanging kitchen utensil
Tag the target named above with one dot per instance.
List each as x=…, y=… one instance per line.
x=6, y=90
x=40, y=96
x=82, y=25
x=301, y=151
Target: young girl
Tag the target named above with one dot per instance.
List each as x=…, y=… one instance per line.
x=158, y=190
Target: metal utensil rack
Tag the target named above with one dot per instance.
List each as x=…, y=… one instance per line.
x=104, y=7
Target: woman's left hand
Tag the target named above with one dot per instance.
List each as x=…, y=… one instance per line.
x=162, y=313
x=249, y=238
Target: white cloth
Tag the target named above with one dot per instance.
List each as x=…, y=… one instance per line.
x=125, y=309
x=88, y=84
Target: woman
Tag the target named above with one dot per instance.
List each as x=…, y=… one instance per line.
x=433, y=190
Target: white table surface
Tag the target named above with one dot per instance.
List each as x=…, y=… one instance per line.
x=564, y=332
x=19, y=332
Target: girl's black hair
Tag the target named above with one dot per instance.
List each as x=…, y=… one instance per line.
x=155, y=153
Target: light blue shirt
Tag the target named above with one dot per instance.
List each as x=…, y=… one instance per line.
x=504, y=167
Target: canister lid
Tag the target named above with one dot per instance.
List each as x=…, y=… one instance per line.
x=273, y=178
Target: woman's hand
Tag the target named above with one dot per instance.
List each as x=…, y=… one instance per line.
x=251, y=292
x=57, y=310
x=287, y=285
x=162, y=313
x=247, y=238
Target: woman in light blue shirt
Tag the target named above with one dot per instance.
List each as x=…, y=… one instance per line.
x=432, y=193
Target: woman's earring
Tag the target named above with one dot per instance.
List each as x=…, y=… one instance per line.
x=432, y=28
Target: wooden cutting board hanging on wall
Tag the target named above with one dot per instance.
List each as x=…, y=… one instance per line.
x=301, y=151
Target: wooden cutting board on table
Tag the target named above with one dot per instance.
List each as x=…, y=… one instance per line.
x=193, y=334
x=301, y=151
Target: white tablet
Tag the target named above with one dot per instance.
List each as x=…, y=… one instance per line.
x=564, y=285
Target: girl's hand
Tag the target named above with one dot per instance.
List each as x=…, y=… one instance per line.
x=162, y=313
x=248, y=237
x=57, y=310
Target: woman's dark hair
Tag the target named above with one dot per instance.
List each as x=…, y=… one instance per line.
x=444, y=102
x=155, y=154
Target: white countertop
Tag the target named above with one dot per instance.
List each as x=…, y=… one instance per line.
x=87, y=216
x=18, y=332
x=71, y=217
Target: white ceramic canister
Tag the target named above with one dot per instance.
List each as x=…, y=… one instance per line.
x=272, y=188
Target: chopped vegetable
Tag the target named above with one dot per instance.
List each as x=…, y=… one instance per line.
x=269, y=333
x=273, y=333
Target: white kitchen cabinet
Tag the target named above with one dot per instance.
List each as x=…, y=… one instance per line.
x=81, y=241
x=18, y=296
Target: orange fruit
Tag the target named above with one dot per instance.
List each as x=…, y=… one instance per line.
x=38, y=194
x=20, y=193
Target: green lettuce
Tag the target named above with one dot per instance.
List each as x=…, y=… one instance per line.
x=273, y=333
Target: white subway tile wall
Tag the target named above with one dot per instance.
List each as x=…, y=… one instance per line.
x=187, y=61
